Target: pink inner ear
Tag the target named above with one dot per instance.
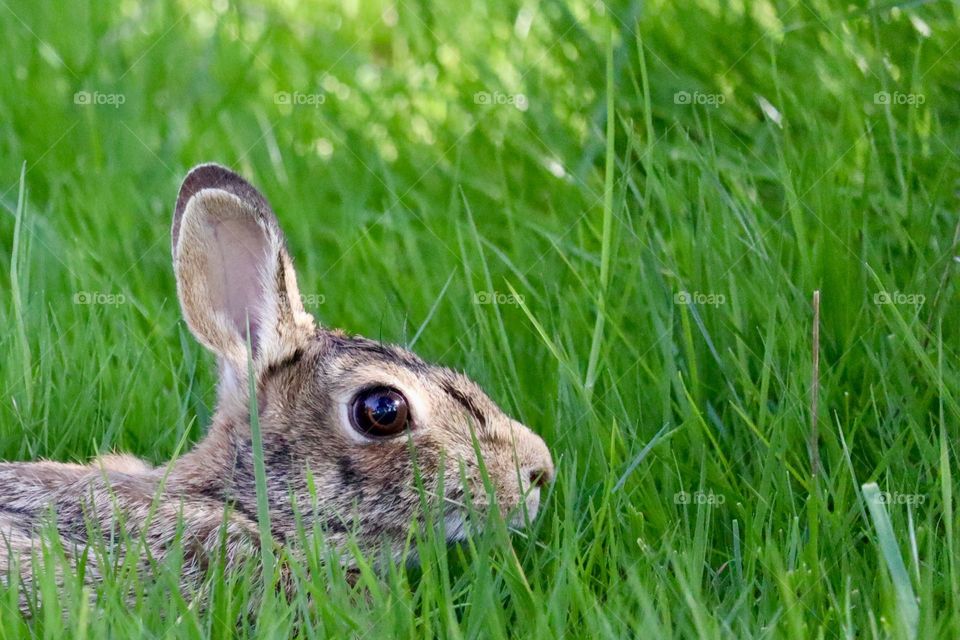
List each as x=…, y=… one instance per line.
x=235, y=267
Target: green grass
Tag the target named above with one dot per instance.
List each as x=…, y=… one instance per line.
x=685, y=503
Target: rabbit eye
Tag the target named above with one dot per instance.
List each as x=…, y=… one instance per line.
x=381, y=411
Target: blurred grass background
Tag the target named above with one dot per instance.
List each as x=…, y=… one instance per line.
x=423, y=158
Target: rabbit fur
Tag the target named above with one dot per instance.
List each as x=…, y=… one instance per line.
x=235, y=281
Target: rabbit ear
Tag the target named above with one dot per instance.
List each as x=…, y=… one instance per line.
x=233, y=272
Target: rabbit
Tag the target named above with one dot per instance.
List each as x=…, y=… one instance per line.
x=360, y=419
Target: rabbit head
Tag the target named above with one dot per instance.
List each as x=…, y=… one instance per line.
x=355, y=433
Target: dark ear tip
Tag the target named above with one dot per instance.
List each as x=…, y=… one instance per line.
x=202, y=176
x=211, y=175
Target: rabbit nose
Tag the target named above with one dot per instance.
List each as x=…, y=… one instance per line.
x=540, y=478
x=531, y=459
x=537, y=468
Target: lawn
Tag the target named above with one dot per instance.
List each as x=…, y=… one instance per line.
x=613, y=216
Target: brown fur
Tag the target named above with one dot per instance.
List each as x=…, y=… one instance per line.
x=232, y=267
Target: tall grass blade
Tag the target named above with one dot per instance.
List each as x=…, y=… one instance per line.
x=605, y=249
x=906, y=600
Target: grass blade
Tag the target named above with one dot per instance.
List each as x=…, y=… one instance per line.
x=906, y=600
x=15, y=292
x=597, y=341
x=260, y=474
